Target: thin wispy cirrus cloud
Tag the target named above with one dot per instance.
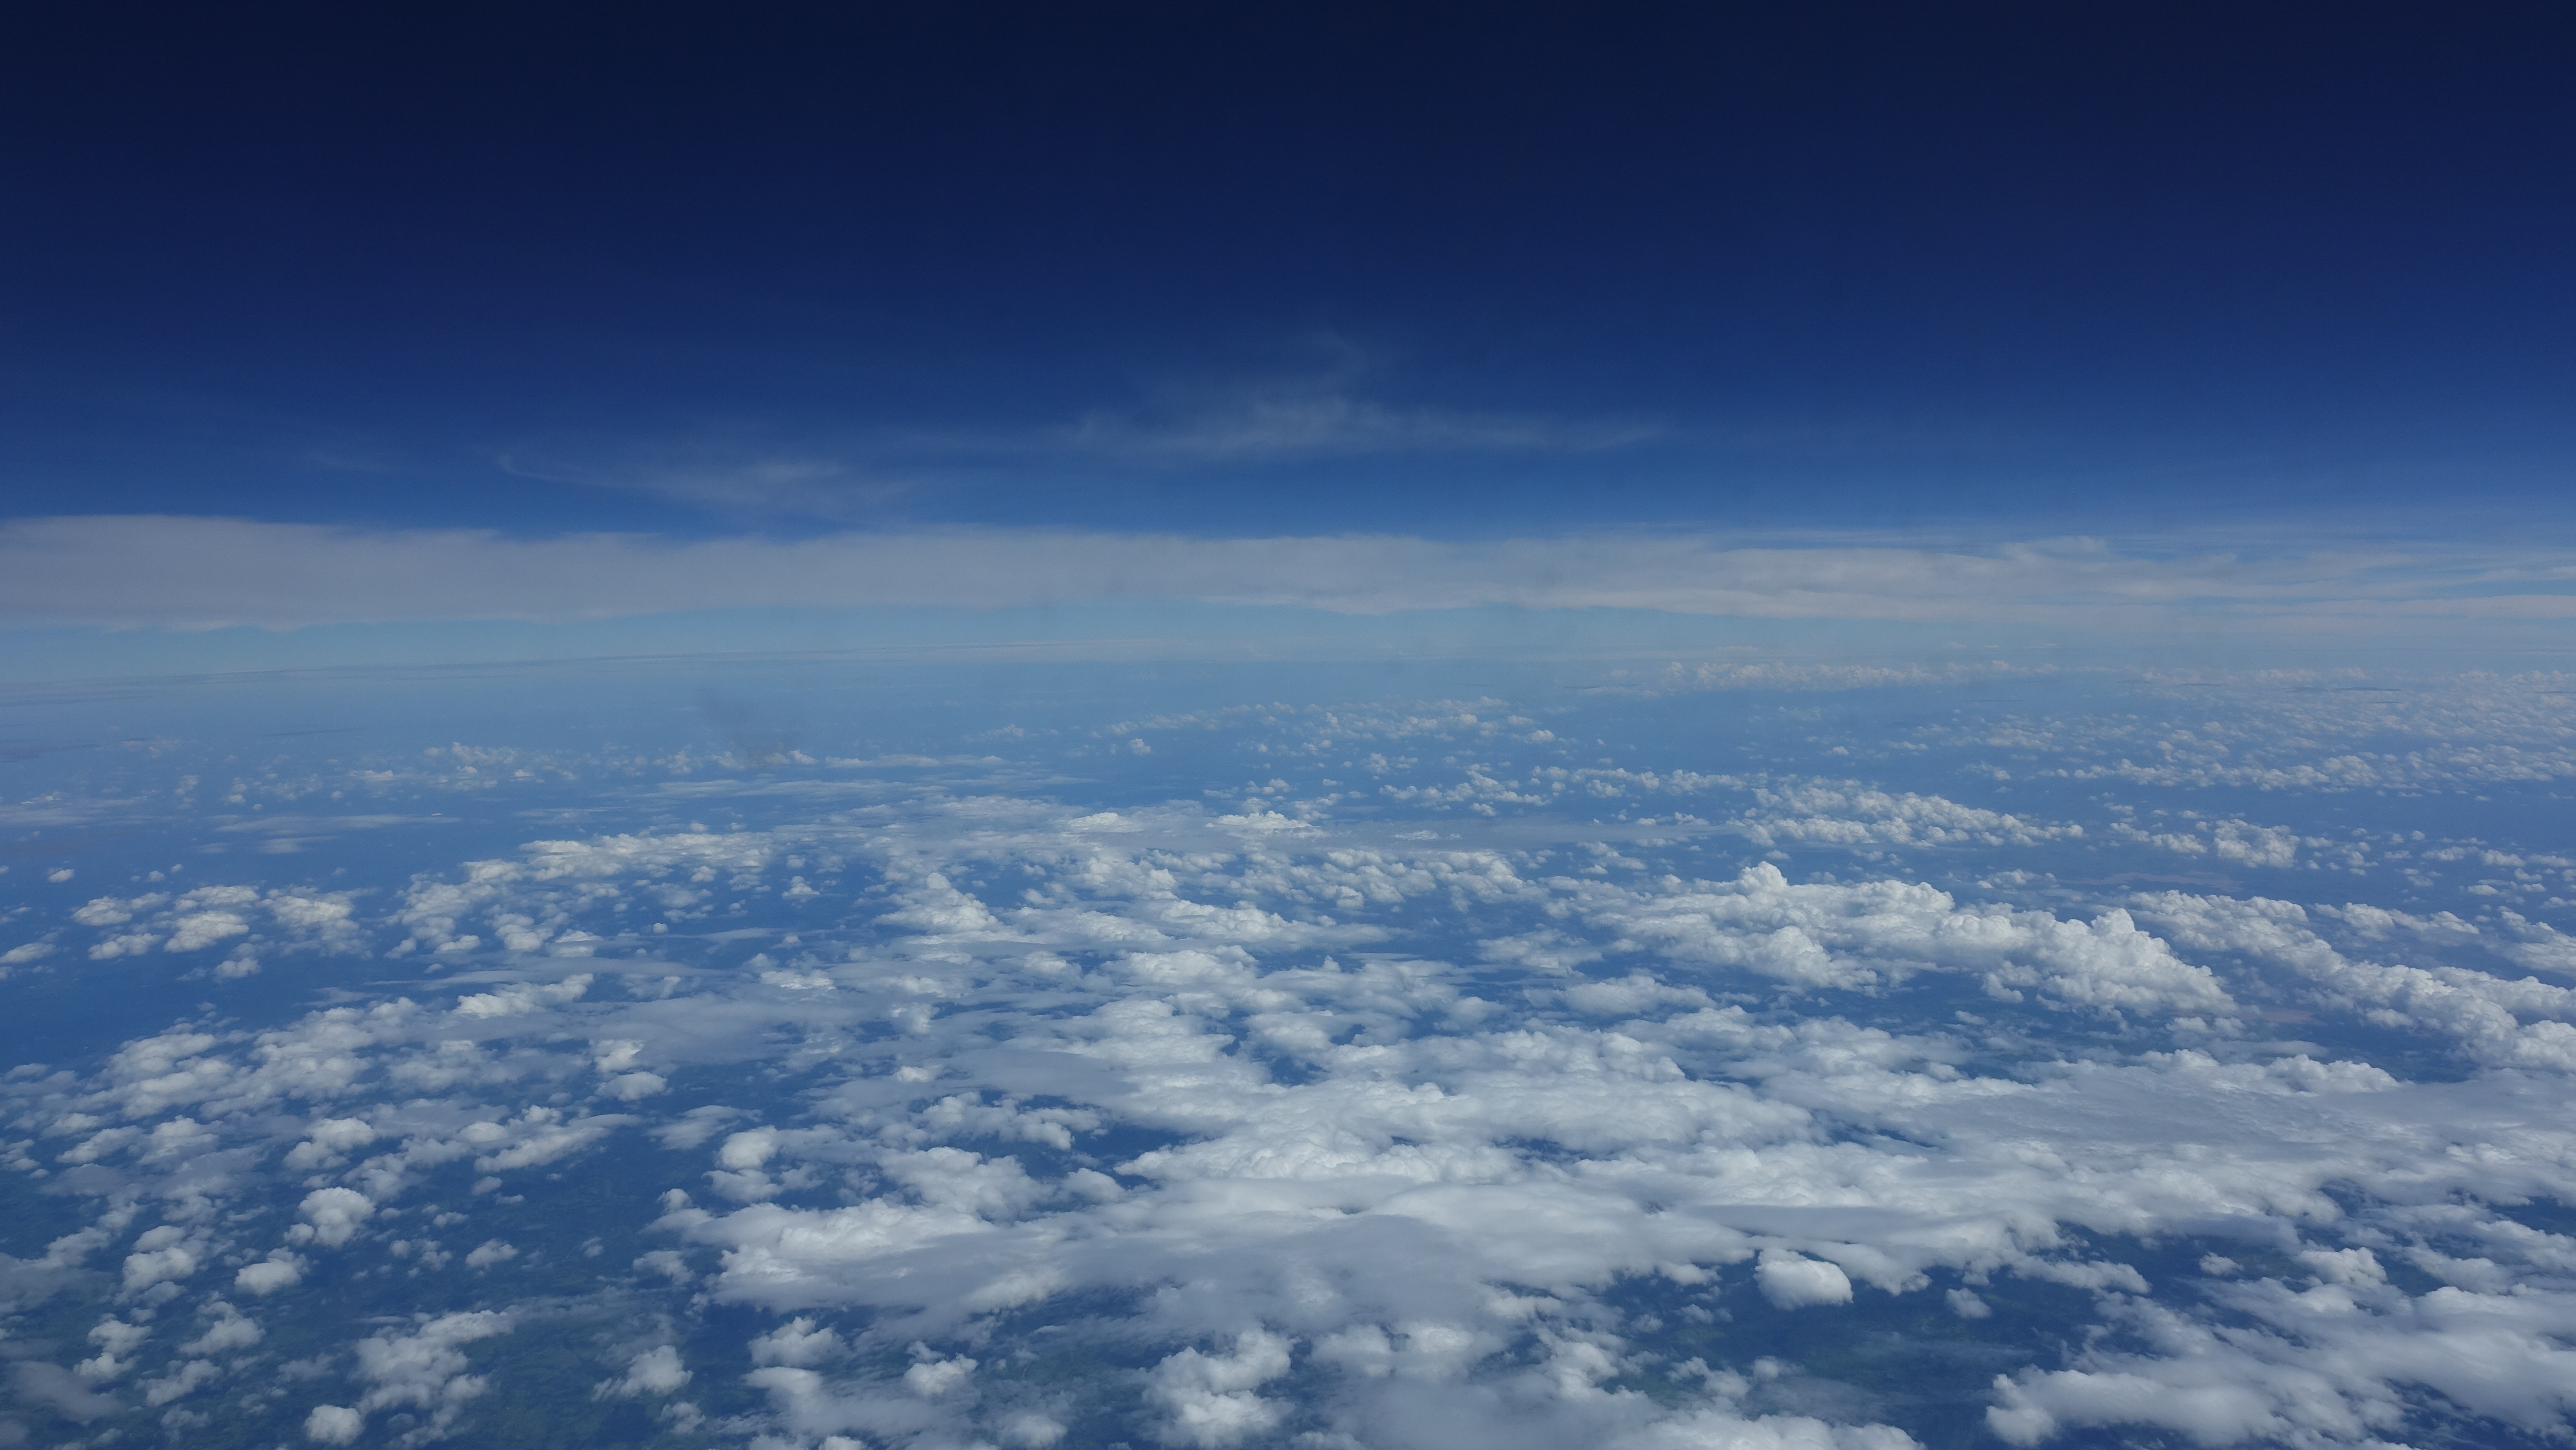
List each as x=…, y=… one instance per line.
x=876, y=472
x=1296, y=423
x=198, y=572
x=833, y=490
x=756, y=483
x=1334, y=405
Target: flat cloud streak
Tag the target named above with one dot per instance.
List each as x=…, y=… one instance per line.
x=1332, y=424
x=125, y=571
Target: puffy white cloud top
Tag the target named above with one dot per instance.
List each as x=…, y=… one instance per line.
x=1521, y=1102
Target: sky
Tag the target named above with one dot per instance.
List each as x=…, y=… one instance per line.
x=2244, y=281
x=1287, y=727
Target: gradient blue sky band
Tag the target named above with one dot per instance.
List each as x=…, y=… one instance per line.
x=1441, y=269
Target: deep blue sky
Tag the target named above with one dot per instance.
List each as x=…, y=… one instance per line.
x=1462, y=269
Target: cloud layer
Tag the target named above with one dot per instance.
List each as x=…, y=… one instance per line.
x=192, y=572
x=1514, y=1099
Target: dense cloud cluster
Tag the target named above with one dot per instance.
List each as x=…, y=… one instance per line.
x=908, y=1105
